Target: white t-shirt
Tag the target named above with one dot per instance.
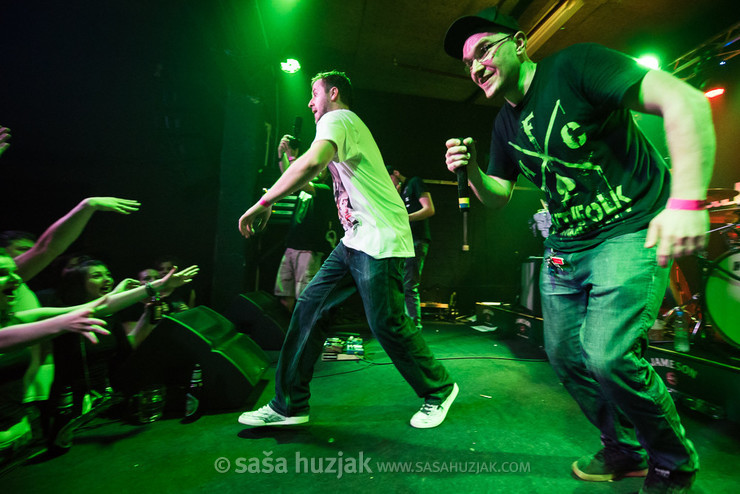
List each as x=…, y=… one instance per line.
x=371, y=211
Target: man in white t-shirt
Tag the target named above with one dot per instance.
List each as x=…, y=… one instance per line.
x=369, y=259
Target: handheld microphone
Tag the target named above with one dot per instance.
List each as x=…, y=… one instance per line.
x=463, y=194
x=463, y=191
x=297, y=125
x=295, y=140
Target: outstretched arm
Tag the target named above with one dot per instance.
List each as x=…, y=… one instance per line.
x=689, y=130
x=299, y=174
x=112, y=303
x=492, y=191
x=78, y=321
x=59, y=236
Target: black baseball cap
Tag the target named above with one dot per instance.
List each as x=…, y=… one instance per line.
x=489, y=19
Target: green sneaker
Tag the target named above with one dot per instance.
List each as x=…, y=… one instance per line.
x=607, y=465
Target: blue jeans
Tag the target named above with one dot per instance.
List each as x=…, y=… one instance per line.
x=412, y=279
x=597, y=308
x=379, y=282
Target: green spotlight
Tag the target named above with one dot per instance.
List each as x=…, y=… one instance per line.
x=649, y=61
x=291, y=66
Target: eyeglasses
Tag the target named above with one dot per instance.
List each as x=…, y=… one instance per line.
x=484, y=50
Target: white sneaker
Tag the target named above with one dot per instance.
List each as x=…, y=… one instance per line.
x=268, y=416
x=432, y=415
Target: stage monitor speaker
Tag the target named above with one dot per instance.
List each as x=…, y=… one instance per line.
x=232, y=364
x=262, y=317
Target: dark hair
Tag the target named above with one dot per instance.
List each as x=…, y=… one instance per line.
x=71, y=289
x=175, y=260
x=339, y=80
x=10, y=236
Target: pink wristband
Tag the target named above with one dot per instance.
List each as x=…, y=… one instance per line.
x=686, y=204
x=262, y=202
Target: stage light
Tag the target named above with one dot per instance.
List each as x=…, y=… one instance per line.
x=290, y=66
x=649, y=61
x=713, y=93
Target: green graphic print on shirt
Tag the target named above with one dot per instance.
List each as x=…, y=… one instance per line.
x=570, y=137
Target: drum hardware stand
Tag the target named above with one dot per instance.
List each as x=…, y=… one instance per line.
x=724, y=227
x=695, y=314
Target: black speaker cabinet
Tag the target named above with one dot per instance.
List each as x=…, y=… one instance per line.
x=262, y=317
x=232, y=364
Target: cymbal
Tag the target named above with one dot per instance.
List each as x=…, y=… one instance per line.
x=719, y=194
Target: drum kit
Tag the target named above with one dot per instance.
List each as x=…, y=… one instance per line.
x=716, y=306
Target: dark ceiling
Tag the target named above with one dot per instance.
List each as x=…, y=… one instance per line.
x=396, y=45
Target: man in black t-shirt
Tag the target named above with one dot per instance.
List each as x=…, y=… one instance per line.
x=619, y=216
x=420, y=207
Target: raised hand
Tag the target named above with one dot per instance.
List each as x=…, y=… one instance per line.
x=175, y=278
x=113, y=204
x=82, y=321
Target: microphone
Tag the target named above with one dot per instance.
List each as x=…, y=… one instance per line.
x=295, y=140
x=463, y=191
x=463, y=195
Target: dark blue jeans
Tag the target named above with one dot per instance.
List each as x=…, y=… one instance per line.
x=412, y=279
x=379, y=283
x=598, y=308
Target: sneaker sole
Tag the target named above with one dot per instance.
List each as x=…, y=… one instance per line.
x=605, y=477
x=288, y=421
x=445, y=406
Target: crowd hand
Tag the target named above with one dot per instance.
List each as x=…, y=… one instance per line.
x=678, y=233
x=175, y=279
x=82, y=321
x=254, y=220
x=114, y=204
x=460, y=153
x=284, y=146
x=127, y=284
x=4, y=138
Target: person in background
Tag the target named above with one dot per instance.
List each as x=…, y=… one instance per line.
x=19, y=329
x=420, y=208
x=184, y=297
x=306, y=242
x=90, y=372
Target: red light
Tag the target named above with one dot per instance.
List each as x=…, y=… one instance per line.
x=713, y=93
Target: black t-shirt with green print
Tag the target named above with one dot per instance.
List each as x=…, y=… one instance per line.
x=570, y=136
